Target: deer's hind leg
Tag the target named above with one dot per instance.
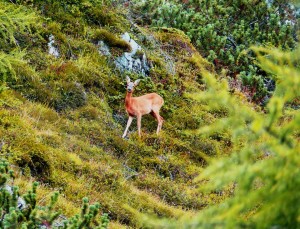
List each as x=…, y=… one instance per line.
x=159, y=119
x=139, y=123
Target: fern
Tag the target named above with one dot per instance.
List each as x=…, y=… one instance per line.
x=15, y=19
x=8, y=65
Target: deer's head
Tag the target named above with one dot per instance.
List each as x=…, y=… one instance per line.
x=130, y=85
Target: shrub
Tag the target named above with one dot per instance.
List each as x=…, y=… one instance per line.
x=262, y=172
x=25, y=212
x=69, y=95
x=222, y=31
x=13, y=19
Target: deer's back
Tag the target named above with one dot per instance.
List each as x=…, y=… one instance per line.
x=152, y=98
x=145, y=103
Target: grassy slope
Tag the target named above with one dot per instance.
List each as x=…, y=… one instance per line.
x=73, y=144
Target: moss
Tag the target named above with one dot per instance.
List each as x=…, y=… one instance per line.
x=111, y=39
x=105, y=16
x=199, y=62
x=156, y=60
x=139, y=54
x=69, y=95
x=55, y=29
x=36, y=160
x=90, y=113
x=172, y=193
x=174, y=40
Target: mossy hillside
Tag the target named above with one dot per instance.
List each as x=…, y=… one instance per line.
x=62, y=119
x=73, y=174
x=26, y=211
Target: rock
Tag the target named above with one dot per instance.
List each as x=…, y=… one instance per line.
x=52, y=49
x=103, y=48
x=134, y=61
x=130, y=61
x=21, y=202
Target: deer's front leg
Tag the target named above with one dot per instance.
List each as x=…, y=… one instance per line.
x=128, y=125
x=139, y=120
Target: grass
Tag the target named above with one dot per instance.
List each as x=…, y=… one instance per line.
x=63, y=127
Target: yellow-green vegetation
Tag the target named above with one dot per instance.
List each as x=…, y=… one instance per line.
x=262, y=170
x=61, y=118
x=26, y=211
x=110, y=39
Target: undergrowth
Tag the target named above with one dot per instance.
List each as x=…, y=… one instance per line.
x=61, y=118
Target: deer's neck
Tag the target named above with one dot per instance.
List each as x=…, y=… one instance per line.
x=128, y=99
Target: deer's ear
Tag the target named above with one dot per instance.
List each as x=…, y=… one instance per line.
x=127, y=79
x=136, y=82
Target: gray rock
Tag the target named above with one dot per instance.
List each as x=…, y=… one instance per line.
x=21, y=202
x=103, y=48
x=130, y=61
x=52, y=49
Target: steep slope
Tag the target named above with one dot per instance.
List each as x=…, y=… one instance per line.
x=62, y=113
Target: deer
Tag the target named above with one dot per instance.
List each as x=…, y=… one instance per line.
x=139, y=106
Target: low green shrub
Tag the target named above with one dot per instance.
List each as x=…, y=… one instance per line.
x=14, y=214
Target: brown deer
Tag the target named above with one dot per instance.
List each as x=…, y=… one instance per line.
x=139, y=106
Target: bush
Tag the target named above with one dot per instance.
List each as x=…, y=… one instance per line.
x=262, y=173
x=24, y=212
x=222, y=31
x=69, y=95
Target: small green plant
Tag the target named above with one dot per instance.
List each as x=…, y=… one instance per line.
x=23, y=212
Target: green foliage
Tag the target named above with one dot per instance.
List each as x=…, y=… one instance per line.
x=8, y=65
x=255, y=84
x=75, y=15
x=86, y=219
x=69, y=95
x=33, y=216
x=61, y=118
x=263, y=173
x=223, y=30
x=15, y=19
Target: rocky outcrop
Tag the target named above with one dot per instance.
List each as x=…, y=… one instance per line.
x=134, y=61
